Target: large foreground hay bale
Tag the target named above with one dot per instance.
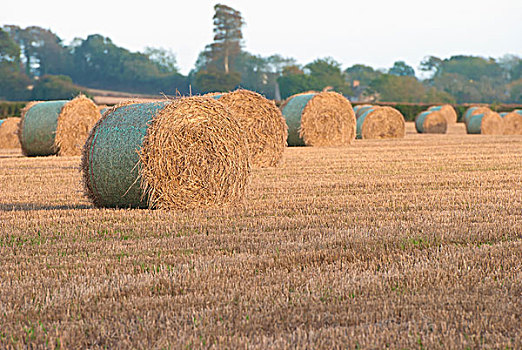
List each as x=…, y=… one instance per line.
x=9, y=133
x=262, y=122
x=319, y=119
x=57, y=127
x=178, y=154
x=512, y=123
x=381, y=123
x=448, y=111
x=431, y=122
x=474, y=111
x=487, y=123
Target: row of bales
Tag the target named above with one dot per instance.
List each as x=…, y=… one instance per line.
x=198, y=151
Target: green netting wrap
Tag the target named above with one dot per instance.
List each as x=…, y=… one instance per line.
x=435, y=108
x=519, y=111
x=1, y=121
x=475, y=124
x=112, y=155
x=38, y=128
x=419, y=121
x=503, y=114
x=362, y=110
x=292, y=113
x=360, y=121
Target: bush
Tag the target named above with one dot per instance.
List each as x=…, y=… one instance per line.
x=11, y=109
x=55, y=87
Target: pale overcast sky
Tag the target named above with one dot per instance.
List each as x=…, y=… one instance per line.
x=371, y=32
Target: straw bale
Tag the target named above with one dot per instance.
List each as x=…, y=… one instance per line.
x=448, y=111
x=512, y=123
x=381, y=123
x=9, y=133
x=285, y=102
x=431, y=122
x=487, y=123
x=319, y=119
x=263, y=124
x=57, y=127
x=179, y=154
x=474, y=111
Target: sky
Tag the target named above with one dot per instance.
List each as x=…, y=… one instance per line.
x=371, y=32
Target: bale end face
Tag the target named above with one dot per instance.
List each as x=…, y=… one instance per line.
x=512, y=123
x=381, y=123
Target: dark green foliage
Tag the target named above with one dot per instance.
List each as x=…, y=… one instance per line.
x=400, y=68
x=55, y=87
x=212, y=81
x=11, y=109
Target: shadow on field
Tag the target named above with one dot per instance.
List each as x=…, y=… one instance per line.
x=34, y=207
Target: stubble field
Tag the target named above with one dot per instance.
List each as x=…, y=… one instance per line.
x=413, y=243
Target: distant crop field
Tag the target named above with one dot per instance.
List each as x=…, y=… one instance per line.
x=410, y=243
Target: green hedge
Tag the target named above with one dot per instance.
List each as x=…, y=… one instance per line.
x=11, y=109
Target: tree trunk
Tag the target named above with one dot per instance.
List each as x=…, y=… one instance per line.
x=225, y=60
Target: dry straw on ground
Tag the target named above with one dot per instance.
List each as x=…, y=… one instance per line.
x=471, y=111
x=263, y=124
x=57, y=127
x=448, y=111
x=380, y=123
x=431, y=122
x=319, y=119
x=512, y=123
x=9, y=133
x=486, y=123
x=178, y=154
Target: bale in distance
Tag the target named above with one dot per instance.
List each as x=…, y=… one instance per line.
x=9, y=133
x=381, y=123
x=177, y=154
x=512, y=123
x=487, y=123
x=263, y=124
x=57, y=127
x=431, y=122
x=474, y=111
x=319, y=119
x=448, y=111
x=361, y=110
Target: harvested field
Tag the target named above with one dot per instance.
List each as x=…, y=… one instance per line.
x=404, y=243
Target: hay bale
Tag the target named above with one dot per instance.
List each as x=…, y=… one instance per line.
x=57, y=127
x=381, y=123
x=487, y=123
x=474, y=111
x=361, y=110
x=263, y=124
x=179, y=154
x=9, y=133
x=431, y=122
x=285, y=102
x=448, y=111
x=512, y=123
x=319, y=119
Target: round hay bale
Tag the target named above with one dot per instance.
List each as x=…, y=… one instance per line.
x=361, y=110
x=381, y=123
x=474, y=111
x=319, y=119
x=512, y=123
x=488, y=123
x=263, y=124
x=285, y=102
x=448, y=111
x=179, y=154
x=431, y=122
x=57, y=127
x=9, y=133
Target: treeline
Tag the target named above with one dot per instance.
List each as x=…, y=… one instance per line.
x=36, y=64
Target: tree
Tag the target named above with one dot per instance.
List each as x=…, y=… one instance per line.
x=13, y=82
x=227, y=38
x=55, y=87
x=394, y=88
x=361, y=73
x=164, y=59
x=215, y=81
x=400, y=68
x=327, y=72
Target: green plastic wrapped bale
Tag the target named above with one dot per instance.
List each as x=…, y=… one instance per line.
x=473, y=111
x=380, y=123
x=448, y=111
x=431, y=122
x=488, y=123
x=319, y=119
x=362, y=110
x=178, y=154
x=57, y=127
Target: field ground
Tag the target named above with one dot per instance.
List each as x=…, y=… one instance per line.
x=413, y=243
